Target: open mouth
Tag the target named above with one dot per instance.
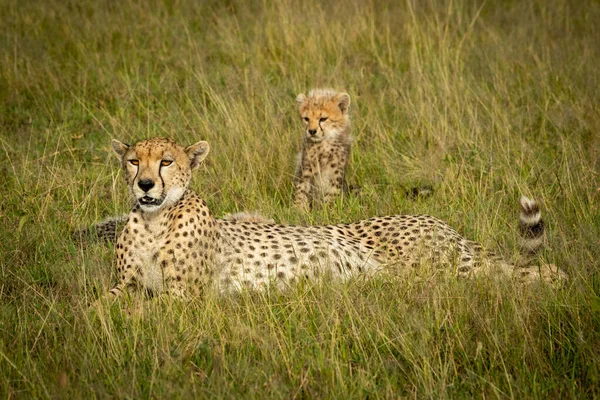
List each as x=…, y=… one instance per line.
x=149, y=201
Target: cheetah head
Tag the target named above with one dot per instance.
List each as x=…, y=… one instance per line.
x=158, y=170
x=324, y=113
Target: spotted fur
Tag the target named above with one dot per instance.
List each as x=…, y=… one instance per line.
x=172, y=244
x=107, y=230
x=322, y=162
x=248, y=216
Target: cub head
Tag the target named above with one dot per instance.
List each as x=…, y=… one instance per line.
x=158, y=170
x=324, y=113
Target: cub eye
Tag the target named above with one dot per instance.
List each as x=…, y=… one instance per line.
x=166, y=163
x=305, y=119
x=323, y=119
x=134, y=162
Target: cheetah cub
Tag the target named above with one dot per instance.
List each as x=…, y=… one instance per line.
x=321, y=164
x=172, y=244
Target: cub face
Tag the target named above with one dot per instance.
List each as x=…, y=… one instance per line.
x=158, y=171
x=324, y=113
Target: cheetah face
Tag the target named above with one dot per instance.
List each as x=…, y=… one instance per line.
x=158, y=171
x=324, y=113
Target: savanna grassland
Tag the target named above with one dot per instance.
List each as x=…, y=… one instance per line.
x=483, y=101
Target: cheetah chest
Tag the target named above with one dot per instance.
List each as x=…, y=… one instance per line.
x=141, y=245
x=326, y=162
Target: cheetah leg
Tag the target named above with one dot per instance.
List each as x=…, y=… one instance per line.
x=548, y=273
x=331, y=192
x=473, y=260
x=116, y=292
x=128, y=280
x=174, y=283
x=125, y=285
x=176, y=289
x=301, y=190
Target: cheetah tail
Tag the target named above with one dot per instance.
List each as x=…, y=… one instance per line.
x=531, y=229
x=107, y=230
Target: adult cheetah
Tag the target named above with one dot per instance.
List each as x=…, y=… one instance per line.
x=172, y=244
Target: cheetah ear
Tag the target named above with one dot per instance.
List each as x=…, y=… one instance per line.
x=119, y=148
x=196, y=153
x=343, y=102
x=300, y=99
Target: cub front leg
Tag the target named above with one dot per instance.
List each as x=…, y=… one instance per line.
x=332, y=189
x=302, y=182
x=301, y=191
x=331, y=180
x=331, y=173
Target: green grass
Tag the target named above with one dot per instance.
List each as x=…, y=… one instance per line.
x=483, y=101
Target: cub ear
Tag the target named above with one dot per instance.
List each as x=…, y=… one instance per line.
x=119, y=148
x=197, y=152
x=300, y=98
x=343, y=102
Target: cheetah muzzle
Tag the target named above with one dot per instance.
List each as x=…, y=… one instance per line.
x=151, y=201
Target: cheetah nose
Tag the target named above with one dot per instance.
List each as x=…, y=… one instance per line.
x=312, y=132
x=146, y=184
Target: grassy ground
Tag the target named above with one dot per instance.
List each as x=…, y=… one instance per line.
x=484, y=101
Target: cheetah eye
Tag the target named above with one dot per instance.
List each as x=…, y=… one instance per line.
x=323, y=119
x=166, y=163
x=134, y=162
x=305, y=119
